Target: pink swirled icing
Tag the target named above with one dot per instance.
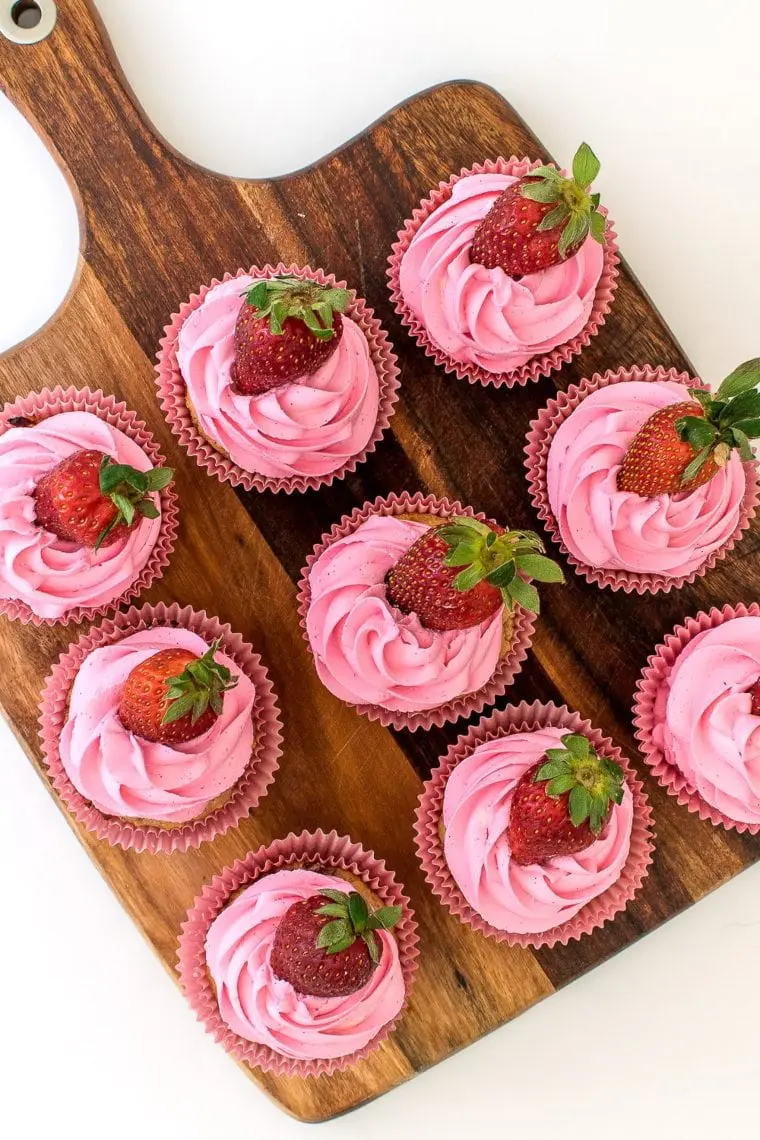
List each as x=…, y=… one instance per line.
x=265, y=1009
x=125, y=775
x=366, y=650
x=309, y=427
x=521, y=899
x=50, y=575
x=704, y=725
x=670, y=535
x=483, y=316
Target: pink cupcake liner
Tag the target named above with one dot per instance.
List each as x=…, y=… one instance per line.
x=540, y=437
x=539, y=365
x=647, y=687
x=523, y=718
x=324, y=851
x=252, y=786
x=506, y=670
x=172, y=391
x=49, y=402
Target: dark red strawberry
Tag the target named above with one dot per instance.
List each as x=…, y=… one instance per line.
x=457, y=575
x=754, y=693
x=684, y=445
x=91, y=500
x=541, y=219
x=325, y=946
x=174, y=695
x=561, y=805
x=286, y=328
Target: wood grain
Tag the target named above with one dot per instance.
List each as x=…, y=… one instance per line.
x=157, y=227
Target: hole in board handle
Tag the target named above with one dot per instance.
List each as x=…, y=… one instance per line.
x=27, y=21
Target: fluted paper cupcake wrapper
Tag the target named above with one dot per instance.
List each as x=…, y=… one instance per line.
x=524, y=718
x=539, y=441
x=50, y=402
x=507, y=668
x=539, y=365
x=172, y=392
x=120, y=831
x=331, y=852
x=647, y=687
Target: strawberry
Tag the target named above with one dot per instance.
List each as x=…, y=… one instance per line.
x=174, y=695
x=683, y=445
x=457, y=575
x=561, y=804
x=754, y=693
x=286, y=328
x=91, y=500
x=325, y=946
x=541, y=219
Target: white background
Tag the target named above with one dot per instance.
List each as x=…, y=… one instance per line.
x=661, y=1041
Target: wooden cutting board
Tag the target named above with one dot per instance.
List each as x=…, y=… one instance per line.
x=154, y=228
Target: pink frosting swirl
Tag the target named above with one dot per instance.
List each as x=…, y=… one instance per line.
x=366, y=650
x=50, y=575
x=265, y=1009
x=670, y=535
x=703, y=720
x=483, y=316
x=530, y=899
x=124, y=775
x=310, y=427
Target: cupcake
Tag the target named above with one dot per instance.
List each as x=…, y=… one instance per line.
x=88, y=519
x=489, y=290
x=643, y=477
x=418, y=611
x=278, y=378
x=300, y=957
x=160, y=729
x=534, y=829
x=697, y=715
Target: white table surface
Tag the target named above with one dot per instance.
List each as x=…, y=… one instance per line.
x=662, y=1040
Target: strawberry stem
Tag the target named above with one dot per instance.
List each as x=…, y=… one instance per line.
x=730, y=419
x=575, y=206
x=591, y=782
x=130, y=491
x=353, y=919
x=280, y=298
x=508, y=561
x=200, y=684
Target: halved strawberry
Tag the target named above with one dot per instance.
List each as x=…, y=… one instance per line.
x=92, y=500
x=684, y=445
x=541, y=219
x=561, y=805
x=174, y=695
x=457, y=575
x=286, y=328
x=325, y=946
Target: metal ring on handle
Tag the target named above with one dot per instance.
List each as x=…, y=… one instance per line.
x=10, y=10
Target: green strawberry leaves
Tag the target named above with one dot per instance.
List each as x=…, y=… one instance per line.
x=128, y=488
x=574, y=232
x=547, y=191
x=731, y=419
x=539, y=567
x=559, y=214
x=591, y=782
x=586, y=166
x=508, y=561
x=742, y=379
x=280, y=298
x=201, y=684
x=576, y=209
x=353, y=919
